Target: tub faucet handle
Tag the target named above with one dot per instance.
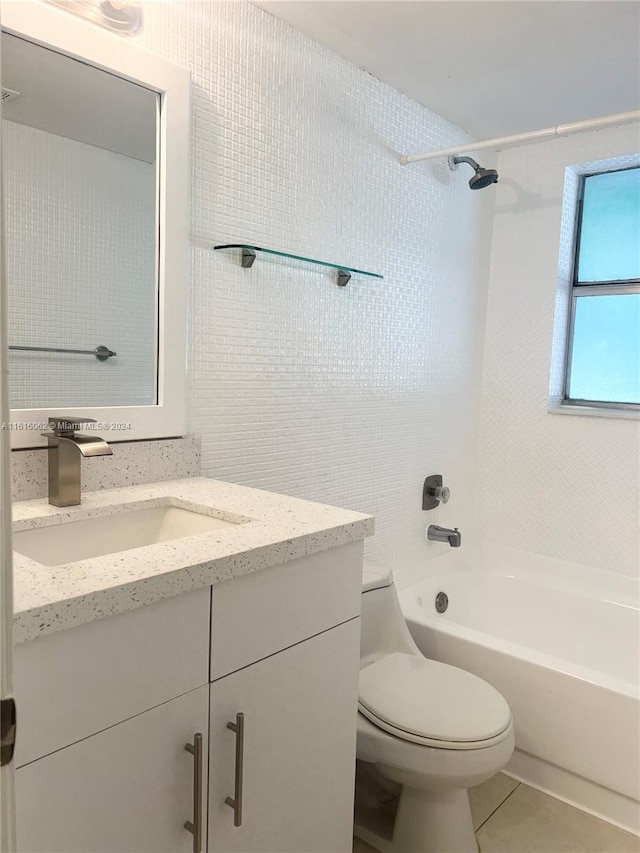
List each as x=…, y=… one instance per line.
x=442, y=493
x=434, y=493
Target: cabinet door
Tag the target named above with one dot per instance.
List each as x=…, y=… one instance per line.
x=128, y=789
x=300, y=712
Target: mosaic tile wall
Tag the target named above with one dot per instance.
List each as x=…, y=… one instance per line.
x=352, y=395
x=567, y=486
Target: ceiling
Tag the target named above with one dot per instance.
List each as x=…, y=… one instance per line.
x=63, y=96
x=492, y=67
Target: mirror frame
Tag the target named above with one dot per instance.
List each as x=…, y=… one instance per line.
x=53, y=28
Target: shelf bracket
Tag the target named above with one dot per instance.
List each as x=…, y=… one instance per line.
x=344, y=278
x=248, y=258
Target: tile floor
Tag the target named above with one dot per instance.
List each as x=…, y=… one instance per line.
x=511, y=817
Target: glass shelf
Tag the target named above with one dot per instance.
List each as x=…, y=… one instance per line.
x=249, y=254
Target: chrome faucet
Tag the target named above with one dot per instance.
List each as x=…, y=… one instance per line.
x=445, y=534
x=66, y=449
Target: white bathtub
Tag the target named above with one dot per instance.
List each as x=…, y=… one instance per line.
x=562, y=644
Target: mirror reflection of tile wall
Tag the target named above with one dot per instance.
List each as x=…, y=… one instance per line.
x=80, y=203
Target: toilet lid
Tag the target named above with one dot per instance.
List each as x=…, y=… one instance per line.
x=431, y=702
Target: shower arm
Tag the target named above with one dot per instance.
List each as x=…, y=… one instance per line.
x=455, y=160
x=519, y=138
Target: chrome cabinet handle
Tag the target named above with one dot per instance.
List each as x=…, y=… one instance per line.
x=236, y=802
x=195, y=826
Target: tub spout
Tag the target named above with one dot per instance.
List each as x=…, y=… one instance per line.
x=444, y=534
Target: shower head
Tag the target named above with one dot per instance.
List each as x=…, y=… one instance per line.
x=482, y=177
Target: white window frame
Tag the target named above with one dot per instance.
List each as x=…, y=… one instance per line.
x=584, y=290
x=62, y=32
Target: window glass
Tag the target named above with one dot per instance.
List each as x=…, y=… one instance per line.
x=605, y=363
x=610, y=231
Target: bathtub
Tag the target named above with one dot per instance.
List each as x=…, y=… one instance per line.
x=562, y=644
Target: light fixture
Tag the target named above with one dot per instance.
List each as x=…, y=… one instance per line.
x=120, y=17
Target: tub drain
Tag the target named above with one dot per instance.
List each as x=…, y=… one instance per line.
x=442, y=602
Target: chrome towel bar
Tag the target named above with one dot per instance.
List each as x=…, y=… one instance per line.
x=102, y=353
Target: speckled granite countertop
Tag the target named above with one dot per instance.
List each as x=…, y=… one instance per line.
x=274, y=529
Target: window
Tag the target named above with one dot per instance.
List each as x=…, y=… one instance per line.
x=603, y=358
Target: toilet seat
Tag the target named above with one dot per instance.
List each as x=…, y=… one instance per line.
x=432, y=703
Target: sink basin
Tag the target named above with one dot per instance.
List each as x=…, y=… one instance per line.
x=71, y=541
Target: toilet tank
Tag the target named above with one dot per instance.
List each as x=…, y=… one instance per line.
x=383, y=627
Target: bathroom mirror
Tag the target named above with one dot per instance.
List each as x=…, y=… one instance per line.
x=94, y=156
x=80, y=180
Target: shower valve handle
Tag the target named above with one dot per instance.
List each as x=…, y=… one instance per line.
x=434, y=493
x=442, y=493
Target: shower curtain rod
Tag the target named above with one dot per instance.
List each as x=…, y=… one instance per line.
x=546, y=133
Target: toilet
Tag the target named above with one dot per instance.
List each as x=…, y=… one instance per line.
x=427, y=732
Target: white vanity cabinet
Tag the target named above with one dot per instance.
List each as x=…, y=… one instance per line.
x=106, y=709
x=129, y=788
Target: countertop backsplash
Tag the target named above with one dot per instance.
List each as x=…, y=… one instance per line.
x=132, y=464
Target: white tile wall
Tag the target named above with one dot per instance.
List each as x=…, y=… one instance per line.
x=352, y=396
x=560, y=485
x=349, y=396
x=61, y=197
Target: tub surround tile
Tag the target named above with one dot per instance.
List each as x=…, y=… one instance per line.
x=530, y=821
x=132, y=463
x=486, y=798
x=560, y=459
x=277, y=529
